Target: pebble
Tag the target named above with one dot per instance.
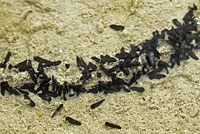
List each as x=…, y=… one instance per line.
x=60, y=50
x=197, y=92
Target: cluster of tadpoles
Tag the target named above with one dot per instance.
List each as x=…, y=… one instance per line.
x=182, y=39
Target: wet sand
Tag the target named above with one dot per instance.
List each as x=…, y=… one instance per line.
x=42, y=28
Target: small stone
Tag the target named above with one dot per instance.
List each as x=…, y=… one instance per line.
x=197, y=92
x=60, y=50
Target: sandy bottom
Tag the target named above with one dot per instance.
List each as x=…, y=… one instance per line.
x=81, y=27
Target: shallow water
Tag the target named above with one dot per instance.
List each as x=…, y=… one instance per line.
x=81, y=28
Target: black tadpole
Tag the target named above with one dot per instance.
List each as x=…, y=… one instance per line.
x=117, y=27
x=67, y=66
x=57, y=110
x=138, y=89
x=157, y=76
x=93, y=106
x=32, y=103
x=73, y=121
x=112, y=125
x=3, y=65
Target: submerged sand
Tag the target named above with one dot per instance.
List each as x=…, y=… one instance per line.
x=81, y=28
